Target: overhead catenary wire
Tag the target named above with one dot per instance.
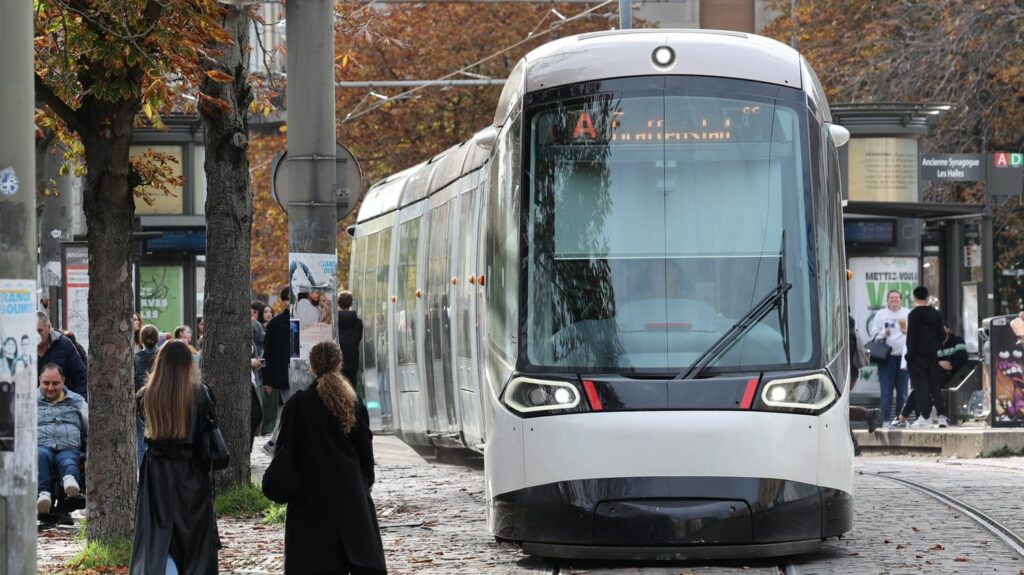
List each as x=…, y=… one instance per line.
x=439, y=81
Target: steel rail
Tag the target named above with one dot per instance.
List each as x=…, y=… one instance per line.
x=1005, y=534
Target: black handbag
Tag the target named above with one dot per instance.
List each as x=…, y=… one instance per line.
x=217, y=450
x=281, y=478
x=878, y=351
x=214, y=452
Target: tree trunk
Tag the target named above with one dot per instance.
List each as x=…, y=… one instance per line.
x=109, y=208
x=227, y=344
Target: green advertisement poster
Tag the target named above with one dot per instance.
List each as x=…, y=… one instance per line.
x=160, y=289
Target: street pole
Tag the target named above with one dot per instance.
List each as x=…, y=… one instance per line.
x=987, y=306
x=312, y=208
x=625, y=14
x=17, y=290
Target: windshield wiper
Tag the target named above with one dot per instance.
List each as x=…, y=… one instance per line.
x=738, y=330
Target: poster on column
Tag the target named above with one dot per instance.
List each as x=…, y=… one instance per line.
x=18, y=341
x=873, y=278
x=76, y=292
x=313, y=284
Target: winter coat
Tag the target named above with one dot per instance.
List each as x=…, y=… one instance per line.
x=277, y=351
x=924, y=334
x=63, y=353
x=144, y=359
x=332, y=512
x=350, y=334
x=953, y=350
x=174, y=510
x=61, y=423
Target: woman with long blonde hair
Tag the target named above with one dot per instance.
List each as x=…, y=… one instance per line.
x=331, y=525
x=175, y=529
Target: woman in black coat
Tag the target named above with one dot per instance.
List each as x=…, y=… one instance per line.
x=331, y=526
x=174, y=518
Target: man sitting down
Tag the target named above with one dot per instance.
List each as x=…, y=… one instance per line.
x=63, y=419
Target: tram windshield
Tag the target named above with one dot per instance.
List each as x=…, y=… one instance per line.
x=659, y=217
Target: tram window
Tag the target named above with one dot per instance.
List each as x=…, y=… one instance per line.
x=467, y=240
x=503, y=242
x=644, y=249
x=407, y=275
x=368, y=299
x=381, y=298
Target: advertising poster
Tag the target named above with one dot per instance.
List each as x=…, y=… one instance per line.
x=314, y=293
x=18, y=341
x=76, y=292
x=873, y=279
x=1007, y=363
x=160, y=290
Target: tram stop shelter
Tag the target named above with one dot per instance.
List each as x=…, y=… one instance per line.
x=895, y=241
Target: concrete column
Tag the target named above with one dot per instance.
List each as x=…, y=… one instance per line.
x=312, y=221
x=17, y=291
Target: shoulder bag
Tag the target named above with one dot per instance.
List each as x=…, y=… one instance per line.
x=878, y=351
x=281, y=479
x=214, y=451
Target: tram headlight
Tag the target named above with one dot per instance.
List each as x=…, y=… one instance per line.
x=812, y=393
x=528, y=395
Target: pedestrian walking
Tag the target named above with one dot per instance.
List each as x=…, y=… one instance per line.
x=137, y=332
x=277, y=356
x=858, y=359
x=175, y=528
x=269, y=397
x=925, y=334
x=331, y=525
x=890, y=325
x=350, y=335
x=148, y=335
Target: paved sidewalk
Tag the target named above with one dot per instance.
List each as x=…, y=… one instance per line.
x=432, y=519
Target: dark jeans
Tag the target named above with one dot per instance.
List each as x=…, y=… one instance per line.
x=891, y=378
x=927, y=378
x=140, y=440
x=63, y=462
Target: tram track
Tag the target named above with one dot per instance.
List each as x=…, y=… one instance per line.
x=1008, y=536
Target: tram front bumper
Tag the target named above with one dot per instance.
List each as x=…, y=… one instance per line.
x=671, y=517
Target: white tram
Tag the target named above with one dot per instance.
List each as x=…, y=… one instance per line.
x=629, y=294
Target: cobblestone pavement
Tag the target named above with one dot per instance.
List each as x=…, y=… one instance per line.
x=432, y=522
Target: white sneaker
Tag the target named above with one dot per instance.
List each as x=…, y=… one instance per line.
x=44, y=502
x=71, y=486
x=920, y=423
x=943, y=421
x=898, y=423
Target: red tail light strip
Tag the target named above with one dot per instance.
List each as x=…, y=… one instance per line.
x=748, y=394
x=595, y=401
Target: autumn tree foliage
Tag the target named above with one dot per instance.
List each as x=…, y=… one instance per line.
x=962, y=52
x=427, y=41
x=100, y=64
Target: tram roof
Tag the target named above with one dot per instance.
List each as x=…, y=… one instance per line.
x=622, y=53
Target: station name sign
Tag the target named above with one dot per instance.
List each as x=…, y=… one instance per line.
x=952, y=167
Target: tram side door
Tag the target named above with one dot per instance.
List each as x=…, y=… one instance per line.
x=465, y=333
x=443, y=417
